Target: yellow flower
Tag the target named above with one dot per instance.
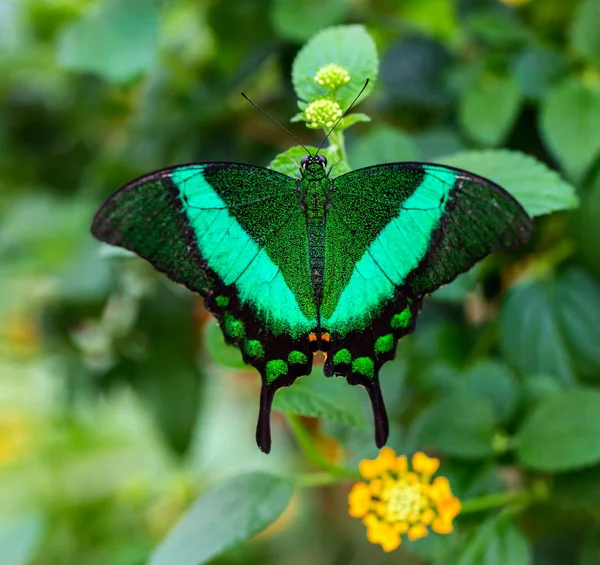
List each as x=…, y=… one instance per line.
x=16, y=436
x=332, y=76
x=322, y=113
x=399, y=499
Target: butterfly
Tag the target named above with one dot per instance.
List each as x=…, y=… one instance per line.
x=290, y=266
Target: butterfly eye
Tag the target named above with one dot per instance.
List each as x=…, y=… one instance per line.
x=322, y=159
x=304, y=161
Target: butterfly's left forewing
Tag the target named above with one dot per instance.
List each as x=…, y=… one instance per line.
x=396, y=232
x=235, y=234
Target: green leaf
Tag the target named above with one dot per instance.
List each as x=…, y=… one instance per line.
x=382, y=144
x=494, y=382
x=584, y=31
x=219, y=351
x=535, y=68
x=288, y=162
x=531, y=338
x=552, y=326
x=418, y=13
x=352, y=119
x=20, y=539
x=232, y=511
x=578, y=312
x=539, y=189
x=460, y=426
x=496, y=542
x=321, y=397
x=562, y=433
x=570, y=121
x=117, y=40
x=482, y=124
x=299, y=19
x=584, y=226
x=498, y=28
x=590, y=550
x=578, y=490
x=348, y=46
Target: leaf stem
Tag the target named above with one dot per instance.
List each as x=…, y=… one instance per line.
x=513, y=497
x=336, y=140
x=310, y=450
x=310, y=480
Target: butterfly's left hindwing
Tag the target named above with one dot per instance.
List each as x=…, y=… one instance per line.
x=396, y=232
x=235, y=234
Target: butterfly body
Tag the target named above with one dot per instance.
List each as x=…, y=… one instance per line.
x=290, y=266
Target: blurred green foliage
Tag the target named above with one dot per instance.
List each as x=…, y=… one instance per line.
x=119, y=403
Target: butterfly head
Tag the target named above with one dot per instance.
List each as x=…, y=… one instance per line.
x=313, y=166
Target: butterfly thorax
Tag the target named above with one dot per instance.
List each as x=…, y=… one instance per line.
x=315, y=188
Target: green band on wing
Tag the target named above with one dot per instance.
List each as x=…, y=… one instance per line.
x=236, y=257
x=394, y=254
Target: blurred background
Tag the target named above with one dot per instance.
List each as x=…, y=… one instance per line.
x=119, y=401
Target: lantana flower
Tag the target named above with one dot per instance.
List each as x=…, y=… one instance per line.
x=400, y=499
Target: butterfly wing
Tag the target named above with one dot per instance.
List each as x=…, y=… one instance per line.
x=396, y=232
x=235, y=234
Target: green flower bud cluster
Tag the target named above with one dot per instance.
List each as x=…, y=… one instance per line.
x=322, y=113
x=332, y=77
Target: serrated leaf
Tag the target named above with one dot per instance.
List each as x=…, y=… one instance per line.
x=562, y=433
x=531, y=338
x=321, y=397
x=570, y=121
x=348, y=46
x=232, y=511
x=118, y=40
x=535, y=68
x=299, y=19
x=540, y=190
x=459, y=426
x=19, y=540
x=584, y=31
x=381, y=144
x=476, y=118
x=551, y=326
x=352, y=119
x=288, y=162
x=494, y=382
x=496, y=542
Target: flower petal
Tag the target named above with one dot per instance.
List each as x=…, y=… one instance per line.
x=441, y=526
x=359, y=500
x=421, y=463
x=417, y=531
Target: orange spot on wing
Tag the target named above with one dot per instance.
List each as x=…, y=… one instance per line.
x=326, y=337
x=312, y=337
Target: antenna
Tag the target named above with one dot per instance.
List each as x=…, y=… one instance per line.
x=342, y=116
x=282, y=127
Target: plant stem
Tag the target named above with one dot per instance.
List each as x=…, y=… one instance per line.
x=336, y=139
x=309, y=480
x=495, y=500
x=310, y=450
